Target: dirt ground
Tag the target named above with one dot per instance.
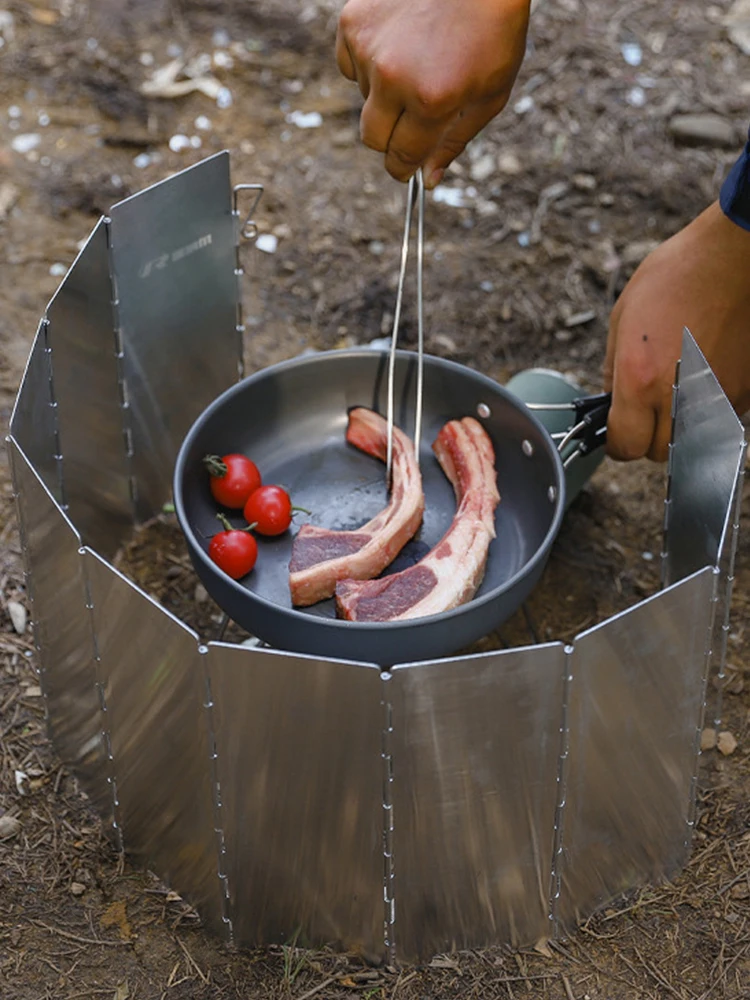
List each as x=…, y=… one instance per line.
x=560, y=199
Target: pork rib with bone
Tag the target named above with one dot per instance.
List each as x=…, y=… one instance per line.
x=452, y=571
x=321, y=556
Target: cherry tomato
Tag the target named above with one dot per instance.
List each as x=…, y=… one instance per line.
x=233, y=479
x=234, y=550
x=269, y=509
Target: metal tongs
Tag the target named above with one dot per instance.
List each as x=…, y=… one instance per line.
x=415, y=194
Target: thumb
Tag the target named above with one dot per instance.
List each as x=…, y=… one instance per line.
x=631, y=425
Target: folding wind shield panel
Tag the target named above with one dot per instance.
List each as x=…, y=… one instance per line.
x=475, y=752
x=88, y=397
x=154, y=691
x=706, y=459
x=63, y=634
x=299, y=763
x=635, y=712
x=173, y=256
x=33, y=423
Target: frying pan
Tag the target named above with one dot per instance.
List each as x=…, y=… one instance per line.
x=291, y=419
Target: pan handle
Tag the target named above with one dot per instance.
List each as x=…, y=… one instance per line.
x=576, y=423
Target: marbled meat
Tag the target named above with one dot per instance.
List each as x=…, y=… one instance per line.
x=321, y=556
x=452, y=571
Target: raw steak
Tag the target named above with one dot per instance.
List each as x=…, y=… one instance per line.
x=321, y=557
x=450, y=573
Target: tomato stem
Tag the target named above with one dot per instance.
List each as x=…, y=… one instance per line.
x=302, y=510
x=228, y=526
x=215, y=466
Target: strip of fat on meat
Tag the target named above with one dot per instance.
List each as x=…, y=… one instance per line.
x=451, y=572
x=322, y=556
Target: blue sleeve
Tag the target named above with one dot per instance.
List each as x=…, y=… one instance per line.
x=735, y=191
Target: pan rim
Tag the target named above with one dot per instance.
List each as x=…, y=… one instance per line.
x=340, y=624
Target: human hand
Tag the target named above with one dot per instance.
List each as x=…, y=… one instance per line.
x=700, y=279
x=433, y=73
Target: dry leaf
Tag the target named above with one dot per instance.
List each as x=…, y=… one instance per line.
x=542, y=948
x=116, y=916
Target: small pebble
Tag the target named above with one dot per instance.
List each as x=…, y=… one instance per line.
x=25, y=142
x=179, y=142
x=77, y=888
x=141, y=161
x=200, y=595
x=726, y=743
x=708, y=740
x=311, y=119
x=648, y=556
x=58, y=270
x=18, y=616
x=524, y=105
x=9, y=827
x=632, y=53
x=202, y=123
x=224, y=98
x=267, y=242
x=636, y=97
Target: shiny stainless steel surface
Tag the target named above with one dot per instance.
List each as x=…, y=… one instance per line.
x=33, y=422
x=706, y=458
x=636, y=708
x=173, y=255
x=153, y=685
x=398, y=814
x=80, y=335
x=62, y=633
x=298, y=743
x=723, y=609
x=475, y=746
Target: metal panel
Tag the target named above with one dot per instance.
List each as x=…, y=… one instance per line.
x=90, y=419
x=475, y=749
x=705, y=458
x=62, y=632
x=173, y=250
x=722, y=616
x=154, y=690
x=636, y=708
x=298, y=744
x=33, y=423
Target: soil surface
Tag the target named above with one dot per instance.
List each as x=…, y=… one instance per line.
x=553, y=207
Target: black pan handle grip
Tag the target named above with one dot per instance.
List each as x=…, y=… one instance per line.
x=593, y=433
x=587, y=404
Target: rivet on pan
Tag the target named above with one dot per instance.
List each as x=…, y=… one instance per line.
x=552, y=494
x=527, y=448
x=483, y=410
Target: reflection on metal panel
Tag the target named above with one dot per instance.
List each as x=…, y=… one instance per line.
x=33, y=423
x=722, y=616
x=298, y=743
x=173, y=249
x=62, y=631
x=475, y=749
x=84, y=363
x=636, y=705
x=154, y=691
x=706, y=456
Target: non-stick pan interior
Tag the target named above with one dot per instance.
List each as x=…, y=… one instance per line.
x=291, y=420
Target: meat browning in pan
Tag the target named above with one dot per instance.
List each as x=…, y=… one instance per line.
x=450, y=573
x=321, y=557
